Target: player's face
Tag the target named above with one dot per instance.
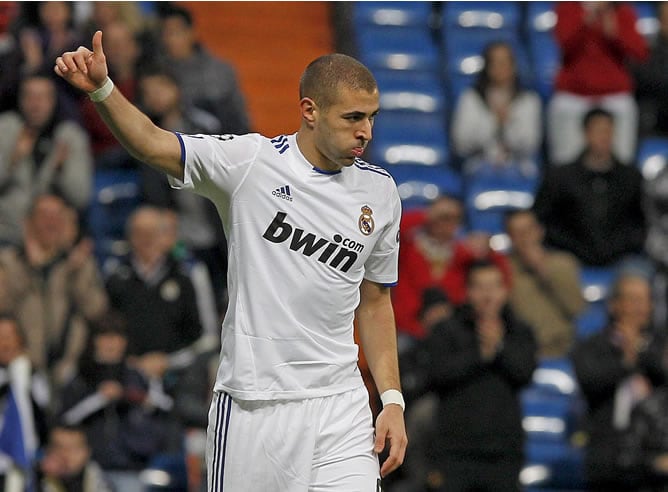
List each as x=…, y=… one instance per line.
x=343, y=130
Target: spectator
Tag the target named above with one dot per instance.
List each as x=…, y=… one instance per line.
x=421, y=403
x=497, y=122
x=596, y=41
x=479, y=360
x=200, y=228
x=656, y=246
x=67, y=465
x=43, y=38
x=616, y=368
x=26, y=390
x=122, y=53
x=644, y=452
x=206, y=82
x=197, y=272
x=432, y=255
x=593, y=206
x=53, y=293
x=652, y=81
x=156, y=297
x=10, y=56
x=546, y=289
x=39, y=153
x=125, y=418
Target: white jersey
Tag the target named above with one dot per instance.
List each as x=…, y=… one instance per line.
x=300, y=242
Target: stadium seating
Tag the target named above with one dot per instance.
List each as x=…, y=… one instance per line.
x=116, y=193
x=403, y=14
x=418, y=185
x=553, y=408
x=544, y=54
x=397, y=48
x=652, y=156
x=596, y=284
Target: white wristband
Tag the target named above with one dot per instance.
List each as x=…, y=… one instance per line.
x=393, y=396
x=101, y=93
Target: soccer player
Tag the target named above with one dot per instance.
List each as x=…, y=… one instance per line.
x=313, y=237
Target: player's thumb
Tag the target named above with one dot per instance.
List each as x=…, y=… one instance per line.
x=97, y=43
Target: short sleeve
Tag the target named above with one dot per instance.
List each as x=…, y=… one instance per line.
x=215, y=162
x=382, y=266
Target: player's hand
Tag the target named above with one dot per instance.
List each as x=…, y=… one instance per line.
x=83, y=68
x=391, y=430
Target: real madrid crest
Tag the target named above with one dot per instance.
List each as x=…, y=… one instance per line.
x=365, y=222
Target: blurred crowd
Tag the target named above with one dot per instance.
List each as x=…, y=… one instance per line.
x=108, y=368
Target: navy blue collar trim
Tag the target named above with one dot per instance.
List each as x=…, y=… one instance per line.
x=322, y=171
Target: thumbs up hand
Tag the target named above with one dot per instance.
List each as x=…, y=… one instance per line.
x=83, y=68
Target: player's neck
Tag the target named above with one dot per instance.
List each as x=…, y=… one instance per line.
x=312, y=155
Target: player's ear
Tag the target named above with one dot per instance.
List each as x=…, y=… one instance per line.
x=308, y=110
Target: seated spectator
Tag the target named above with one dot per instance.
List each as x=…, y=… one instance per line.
x=656, y=245
x=47, y=31
x=546, y=289
x=67, y=465
x=593, y=207
x=200, y=227
x=156, y=296
x=479, y=360
x=123, y=414
x=596, y=41
x=644, y=451
x=616, y=368
x=53, y=291
x=432, y=255
x=652, y=81
x=39, y=153
x=24, y=399
x=497, y=122
x=206, y=82
x=122, y=53
x=209, y=315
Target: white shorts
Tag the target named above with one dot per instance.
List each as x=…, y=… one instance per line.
x=314, y=445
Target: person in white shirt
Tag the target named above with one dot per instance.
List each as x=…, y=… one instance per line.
x=313, y=234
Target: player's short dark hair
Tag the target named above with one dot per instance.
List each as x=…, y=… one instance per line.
x=596, y=113
x=324, y=75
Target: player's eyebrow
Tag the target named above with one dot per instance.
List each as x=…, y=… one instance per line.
x=359, y=114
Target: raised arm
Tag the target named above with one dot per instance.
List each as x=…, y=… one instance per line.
x=87, y=70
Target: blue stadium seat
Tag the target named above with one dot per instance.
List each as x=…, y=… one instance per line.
x=544, y=53
x=647, y=23
x=482, y=15
x=652, y=156
x=596, y=283
x=410, y=90
x=391, y=14
x=555, y=375
x=397, y=48
x=547, y=416
x=116, y=193
x=418, y=185
x=409, y=137
x=490, y=195
x=553, y=466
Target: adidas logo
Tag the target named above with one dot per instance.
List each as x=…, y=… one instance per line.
x=283, y=192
